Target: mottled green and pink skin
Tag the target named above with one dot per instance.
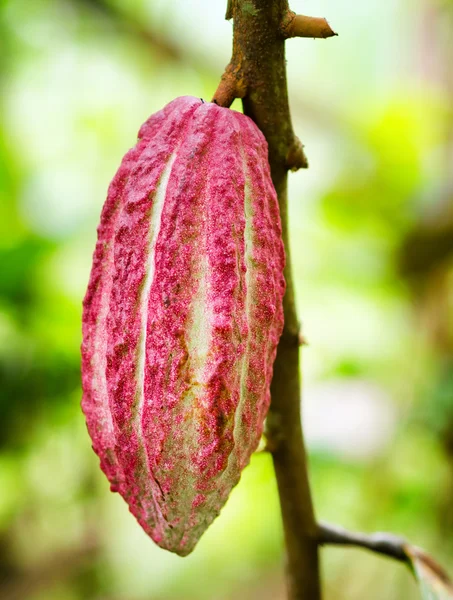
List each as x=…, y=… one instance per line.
x=182, y=317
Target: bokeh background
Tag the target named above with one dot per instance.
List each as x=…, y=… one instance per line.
x=372, y=241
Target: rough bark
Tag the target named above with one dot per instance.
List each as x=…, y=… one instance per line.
x=257, y=74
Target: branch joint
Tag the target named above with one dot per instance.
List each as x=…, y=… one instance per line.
x=231, y=86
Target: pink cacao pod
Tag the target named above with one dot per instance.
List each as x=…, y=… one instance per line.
x=182, y=317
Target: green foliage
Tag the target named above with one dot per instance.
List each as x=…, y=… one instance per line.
x=77, y=79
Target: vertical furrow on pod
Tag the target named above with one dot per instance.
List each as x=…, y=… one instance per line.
x=229, y=269
x=95, y=401
x=179, y=332
x=268, y=260
x=220, y=400
x=144, y=194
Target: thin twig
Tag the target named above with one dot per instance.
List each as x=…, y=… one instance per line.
x=308, y=27
x=230, y=87
x=423, y=566
x=382, y=543
x=229, y=10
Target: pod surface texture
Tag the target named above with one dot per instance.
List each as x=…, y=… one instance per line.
x=182, y=317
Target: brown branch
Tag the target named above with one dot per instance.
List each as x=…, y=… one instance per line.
x=251, y=72
x=259, y=72
x=422, y=565
x=383, y=543
x=229, y=10
x=296, y=159
x=308, y=27
x=230, y=87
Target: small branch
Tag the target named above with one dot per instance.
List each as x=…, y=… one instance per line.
x=296, y=159
x=231, y=86
x=301, y=339
x=306, y=27
x=229, y=10
x=383, y=543
x=431, y=576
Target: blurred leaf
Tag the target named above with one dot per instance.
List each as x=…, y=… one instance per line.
x=434, y=581
x=19, y=265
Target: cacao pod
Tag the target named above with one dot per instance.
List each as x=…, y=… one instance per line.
x=182, y=317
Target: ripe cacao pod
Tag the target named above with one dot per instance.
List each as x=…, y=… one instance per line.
x=182, y=317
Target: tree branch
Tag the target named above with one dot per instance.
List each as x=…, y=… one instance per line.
x=230, y=87
x=309, y=27
x=432, y=577
x=255, y=68
x=383, y=543
x=257, y=73
x=229, y=10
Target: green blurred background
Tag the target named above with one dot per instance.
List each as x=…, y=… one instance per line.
x=372, y=240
